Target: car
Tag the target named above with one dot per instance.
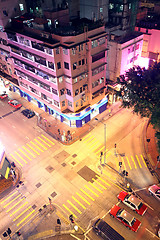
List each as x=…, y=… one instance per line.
x=3, y=95
x=125, y=217
x=14, y=103
x=154, y=190
x=28, y=113
x=133, y=202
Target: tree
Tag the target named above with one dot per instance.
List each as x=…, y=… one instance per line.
x=140, y=90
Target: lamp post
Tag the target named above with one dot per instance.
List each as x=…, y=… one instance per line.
x=104, y=139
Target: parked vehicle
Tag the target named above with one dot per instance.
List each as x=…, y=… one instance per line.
x=28, y=113
x=3, y=95
x=154, y=190
x=14, y=103
x=104, y=230
x=125, y=217
x=132, y=202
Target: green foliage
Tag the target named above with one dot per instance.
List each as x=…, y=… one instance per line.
x=141, y=91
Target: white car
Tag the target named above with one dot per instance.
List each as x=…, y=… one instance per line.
x=155, y=191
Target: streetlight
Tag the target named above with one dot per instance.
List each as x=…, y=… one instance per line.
x=104, y=139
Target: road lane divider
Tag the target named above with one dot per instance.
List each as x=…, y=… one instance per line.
x=100, y=150
x=8, y=197
x=36, y=146
x=18, y=209
x=21, y=213
x=143, y=160
x=123, y=163
x=44, y=142
x=24, y=154
x=133, y=161
x=95, y=143
x=12, y=201
x=138, y=161
x=87, y=194
x=25, y=218
x=16, y=160
x=96, y=181
x=83, y=198
x=40, y=144
x=20, y=157
x=91, y=191
x=74, y=206
x=128, y=162
x=15, y=204
x=69, y=210
x=95, y=187
x=33, y=149
x=48, y=139
x=103, y=180
x=29, y=151
x=75, y=199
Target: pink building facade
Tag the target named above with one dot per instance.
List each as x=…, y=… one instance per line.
x=64, y=75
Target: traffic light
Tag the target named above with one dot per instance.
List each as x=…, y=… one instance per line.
x=125, y=173
x=58, y=221
x=71, y=218
x=5, y=234
x=18, y=233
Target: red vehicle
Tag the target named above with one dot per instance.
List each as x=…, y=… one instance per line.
x=15, y=104
x=3, y=95
x=133, y=202
x=125, y=217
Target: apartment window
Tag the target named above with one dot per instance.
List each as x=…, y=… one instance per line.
x=44, y=86
x=15, y=50
x=54, y=91
x=40, y=60
x=29, y=67
x=57, y=50
x=102, y=40
x=98, y=56
x=65, y=51
x=80, y=89
x=146, y=30
x=34, y=90
x=75, y=80
x=60, y=79
x=37, y=46
x=24, y=41
x=62, y=91
x=27, y=55
x=33, y=80
x=94, y=43
x=73, y=51
x=56, y=103
x=51, y=65
x=128, y=50
x=74, y=65
x=69, y=103
x=59, y=65
x=82, y=61
x=66, y=65
x=79, y=63
x=21, y=74
x=48, y=51
x=24, y=84
x=42, y=74
x=137, y=46
x=77, y=104
x=68, y=92
x=12, y=37
x=76, y=92
x=63, y=103
x=21, y=6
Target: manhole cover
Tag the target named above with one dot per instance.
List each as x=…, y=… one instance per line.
x=50, y=169
x=64, y=164
x=74, y=155
x=53, y=194
x=73, y=163
x=38, y=185
x=87, y=174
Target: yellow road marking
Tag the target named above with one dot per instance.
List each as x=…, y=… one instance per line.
x=90, y=147
x=12, y=201
x=25, y=154
x=33, y=149
x=86, y=136
x=133, y=162
x=89, y=139
x=29, y=152
x=103, y=180
x=15, y=204
x=69, y=210
x=97, y=152
x=138, y=161
x=143, y=160
x=62, y=217
x=95, y=187
x=75, y=199
x=40, y=144
x=18, y=209
x=44, y=142
x=16, y=160
x=91, y=142
x=20, y=157
x=21, y=213
x=99, y=183
x=48, y=139
x=128, y=162
x=83, y=198
x=25, y=218
x=27, y=221
x=91, y=191
x=36, y=146
x=123, y=163
x=8, y=197
x=74, y=206
x=87, y=194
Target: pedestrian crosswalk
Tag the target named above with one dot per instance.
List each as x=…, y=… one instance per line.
x=128, y=162
x=32, y=149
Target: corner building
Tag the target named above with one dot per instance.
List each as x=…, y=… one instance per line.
x=61, y=70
